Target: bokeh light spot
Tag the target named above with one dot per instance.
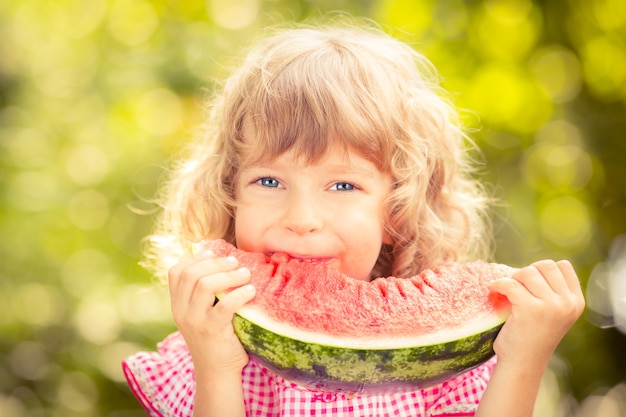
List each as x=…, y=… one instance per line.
x=64, y=70
x=566, y=222
x=510, y=11
x=28, y=360
x=566, y=167
x=133, y=22
x=26, y=148
x=144, y=304
x=88, y=209
x=605, y=404
x=560, y=132
x=234, y=14
x=97, y=321
x=77, y=18
x=598, y=296
x=159, y=111
x=33, y=190
x=77, y=392
x=86, y=271
x=111, y=356
x=10, y=406
x=412, y=17
x=604, y=68
x=606, y=288
x=127, y=227
x=558, y=72
x=504, y=97
x=86, y=164
x=610, y=15
x=199, y=55
x=37, y=304
x=506, y=32
x=502, y=140
x=450, y=18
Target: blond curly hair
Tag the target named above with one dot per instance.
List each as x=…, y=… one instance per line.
x=308, y=88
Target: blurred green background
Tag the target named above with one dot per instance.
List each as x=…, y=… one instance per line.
x=96, y=96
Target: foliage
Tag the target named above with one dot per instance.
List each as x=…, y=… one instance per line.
x=96, y=96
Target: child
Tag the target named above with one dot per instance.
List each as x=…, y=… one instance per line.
x=333, y=144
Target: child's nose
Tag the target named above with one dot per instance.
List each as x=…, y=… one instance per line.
x=303, y=214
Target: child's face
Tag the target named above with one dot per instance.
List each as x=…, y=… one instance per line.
x=328, y=212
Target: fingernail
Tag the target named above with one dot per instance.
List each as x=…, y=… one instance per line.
x=250, y=288
x=231, y=260
x=244, y=272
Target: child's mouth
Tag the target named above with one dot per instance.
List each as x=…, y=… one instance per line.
x=316, y=261
x=308, y=259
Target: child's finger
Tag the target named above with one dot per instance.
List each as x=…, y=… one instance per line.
x=571, y=278
x=207, y=287
x=512, y=289
x=534, y=282
x=183, y=281
x=176, y=271
x=552, y=275
x=234, y=300
x=576, y=299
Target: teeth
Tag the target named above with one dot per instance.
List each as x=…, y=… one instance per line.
x=316, y=260
x=307, y=260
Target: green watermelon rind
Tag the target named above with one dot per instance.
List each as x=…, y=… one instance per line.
x=364, y=370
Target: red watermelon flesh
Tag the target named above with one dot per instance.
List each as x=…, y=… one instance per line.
x=314, y=298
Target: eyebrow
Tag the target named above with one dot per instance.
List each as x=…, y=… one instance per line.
x=350, y=169
x=333, y=169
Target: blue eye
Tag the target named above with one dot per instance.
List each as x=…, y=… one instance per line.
x=343, y=186
x=269, y=182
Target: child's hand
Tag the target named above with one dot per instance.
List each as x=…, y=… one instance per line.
x=207, y=329
x=546, y=300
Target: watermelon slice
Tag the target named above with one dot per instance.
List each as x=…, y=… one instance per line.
x=327, y=331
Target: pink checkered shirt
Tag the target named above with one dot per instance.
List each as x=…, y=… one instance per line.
x=164, y=384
